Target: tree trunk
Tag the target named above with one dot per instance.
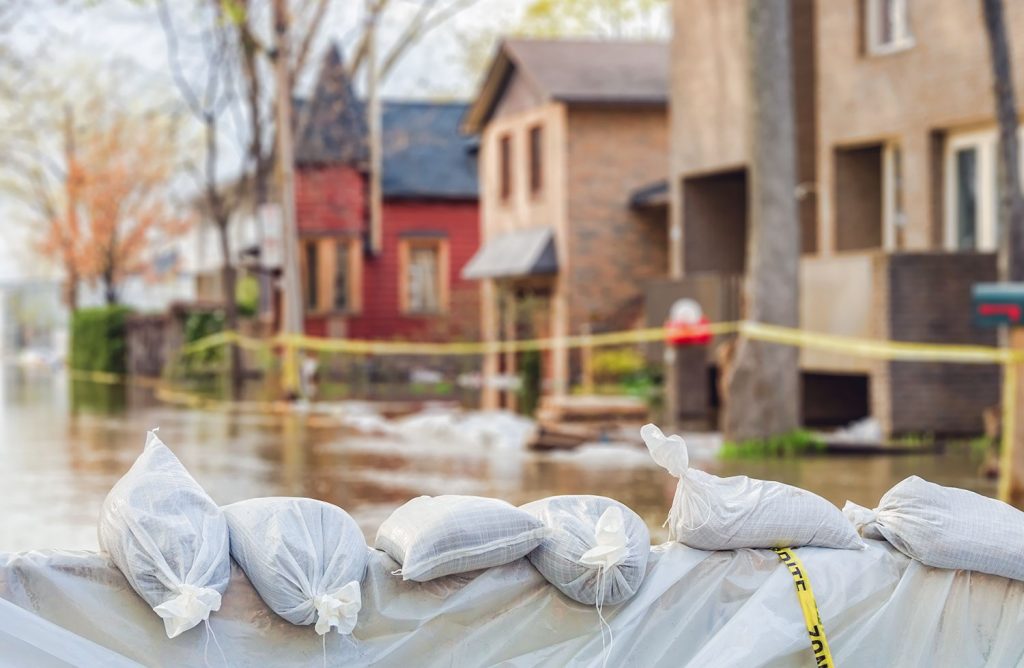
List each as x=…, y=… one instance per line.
x=1011, y=218
x=109, y=291
x=763, y=381
x=1011, y=200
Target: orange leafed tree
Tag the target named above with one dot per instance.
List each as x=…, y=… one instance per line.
x=117, y=182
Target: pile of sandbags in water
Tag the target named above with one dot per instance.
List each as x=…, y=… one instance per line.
x=307, y=558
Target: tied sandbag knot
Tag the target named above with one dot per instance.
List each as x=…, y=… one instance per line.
x=339, y=609
x=191, y=606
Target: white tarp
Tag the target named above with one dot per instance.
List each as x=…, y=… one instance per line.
x=731, y=608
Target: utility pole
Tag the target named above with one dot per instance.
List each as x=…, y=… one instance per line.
x=374, y=124
x=291, y=321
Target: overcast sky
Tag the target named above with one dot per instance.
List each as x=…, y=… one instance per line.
x=63, y=38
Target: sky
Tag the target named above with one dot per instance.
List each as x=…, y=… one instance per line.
x=126, y=36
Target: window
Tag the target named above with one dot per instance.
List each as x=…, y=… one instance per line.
x=972, y=197
x=887, y=26
x=536, y=159
x=423, y=266
x=505, y=156
x=312, y=274
x=332, y=275
x=893, y=216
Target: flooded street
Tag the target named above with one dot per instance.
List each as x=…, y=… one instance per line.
x=60, y=455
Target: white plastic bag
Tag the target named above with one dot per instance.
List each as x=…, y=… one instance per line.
x=712, y=513
x=597, y=551
x=305, y=558
x=168, y=537
x=442, y=535
x=946, y=527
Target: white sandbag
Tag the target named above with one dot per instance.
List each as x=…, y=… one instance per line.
x=168, y=537
x=305, y=558
x=597, y=551
x=712, y=513
x=442, y=535
x=946, y=527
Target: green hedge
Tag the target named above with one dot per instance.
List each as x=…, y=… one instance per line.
x=98, y=339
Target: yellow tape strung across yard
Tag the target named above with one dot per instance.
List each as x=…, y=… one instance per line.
x=875, y=349
x=808, y=606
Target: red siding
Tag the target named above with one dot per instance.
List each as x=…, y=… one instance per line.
x=333, y=200
x=380, y=319
x=329, y=199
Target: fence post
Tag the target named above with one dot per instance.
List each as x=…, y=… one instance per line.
x=1011, y=461
x=587, y=360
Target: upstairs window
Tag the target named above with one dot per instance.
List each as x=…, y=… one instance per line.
x=887, y=26
x=505, y=166
x=536, y=159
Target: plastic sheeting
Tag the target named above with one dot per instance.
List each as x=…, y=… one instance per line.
x=731, y=608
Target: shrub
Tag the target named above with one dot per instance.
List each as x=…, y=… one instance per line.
x=98, y=339
x=796, y=442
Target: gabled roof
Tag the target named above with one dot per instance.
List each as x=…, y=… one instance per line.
x=424, y=153
x=334, y=129
x=576, y=72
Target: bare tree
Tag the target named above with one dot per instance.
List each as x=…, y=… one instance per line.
x=210, y=102
x=763, y=380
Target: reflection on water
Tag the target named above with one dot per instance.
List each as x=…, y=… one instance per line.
x=60, y=457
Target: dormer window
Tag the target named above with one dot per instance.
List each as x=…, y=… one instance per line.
x=887, y=26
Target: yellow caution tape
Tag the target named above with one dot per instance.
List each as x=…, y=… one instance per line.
x=812, y=619
x=872, y=348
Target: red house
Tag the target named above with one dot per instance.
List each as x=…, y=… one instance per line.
x=411, y=288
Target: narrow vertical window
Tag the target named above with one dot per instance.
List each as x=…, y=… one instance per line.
x=887, y=26
x=505, y=156
x=536, y=159
x=312, y=272
x=341, y=276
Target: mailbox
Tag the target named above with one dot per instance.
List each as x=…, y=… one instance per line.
x=687, y=325
x=997, y=304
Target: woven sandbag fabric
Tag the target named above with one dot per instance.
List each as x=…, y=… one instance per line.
x=305, y=558
x=712, y=513
x=442, y=535
x=573, y=520
x=168, y=537
x=946, y=527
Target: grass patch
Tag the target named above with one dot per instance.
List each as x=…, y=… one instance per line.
x=796, y=442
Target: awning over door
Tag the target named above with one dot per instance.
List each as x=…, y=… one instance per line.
x=526, y=252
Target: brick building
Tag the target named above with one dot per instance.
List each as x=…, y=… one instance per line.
x=569, y=130
x=896, y=145
x=412, y=287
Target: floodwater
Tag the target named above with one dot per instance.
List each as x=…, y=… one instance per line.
x=62, y=450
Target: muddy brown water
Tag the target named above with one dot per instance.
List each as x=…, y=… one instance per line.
x=63, y=445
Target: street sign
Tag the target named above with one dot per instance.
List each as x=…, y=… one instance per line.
x=998, y=304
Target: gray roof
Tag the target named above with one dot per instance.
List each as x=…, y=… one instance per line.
x=524, y=252
x=595, y=71
x=576, y=71
x=424, y=153
x=334, y=123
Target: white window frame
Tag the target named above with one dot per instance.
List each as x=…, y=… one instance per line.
x=893, y=216
x=985, y=142
x=902, y=38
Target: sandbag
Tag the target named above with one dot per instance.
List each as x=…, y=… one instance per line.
x=442, y=535
x=946, y=527
x=305, y=558
x=597, y=550
x=712, y=513
x=168, y=537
